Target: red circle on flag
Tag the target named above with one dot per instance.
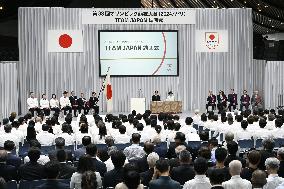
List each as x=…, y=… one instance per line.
x=65, y=41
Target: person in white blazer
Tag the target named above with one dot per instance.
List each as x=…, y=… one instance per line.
x=44, y=105
x=32, y=103
x=65, y=103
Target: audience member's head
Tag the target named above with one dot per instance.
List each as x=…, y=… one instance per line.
x=220, y=155
x=268, y=144
x=152, y=158
x=235, y=167
x=8, y=128
x=280, y=154
x=262, y=123
x=59, y=142
x=188, y=121
x=86, y=140
x=109, y=141
x=204, y=135
x=91, y=150
x=272, y=165
x=278, y=122
x=254, y=157
x=135, y=138
x=180, y=138
x=184, y=157
x=122, y=129
x=229, y=136
x=213, y=143
x=61, y=156
x=148, y=147
x=216, y=177
x=118, y=159
x=9, y=145
x=200, y=166
x=258, y=179
x=85, y=164
x=89, y=180
x=244, y=124
x=51, y=169
x=131, y=179
x=3, y=156
x=162, y=167
x=232, y=147
x=34, y=154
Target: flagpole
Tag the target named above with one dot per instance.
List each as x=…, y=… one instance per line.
x=103, y=84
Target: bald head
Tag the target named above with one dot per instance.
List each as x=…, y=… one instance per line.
x=235, y=167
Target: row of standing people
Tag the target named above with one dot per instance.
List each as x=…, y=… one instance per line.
x=232, y=101
x=65, y=103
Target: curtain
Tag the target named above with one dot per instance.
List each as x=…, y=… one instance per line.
x=8, y=88
x=43, y=72
x=273, y=85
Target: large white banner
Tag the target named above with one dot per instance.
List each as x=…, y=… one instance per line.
x=141, y=16
x=65, y=41
x=211, y=40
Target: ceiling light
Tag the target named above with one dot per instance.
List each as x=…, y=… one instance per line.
x=245, y=2
x=258, y=4
x=269, y=20
x=214, y=1
x=272, y=26
x=259, y=10
x=232, y=0
x=1, y=8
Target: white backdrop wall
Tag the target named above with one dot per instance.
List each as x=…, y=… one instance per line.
x=274, y=84
x=8, y=88
x=40, y=71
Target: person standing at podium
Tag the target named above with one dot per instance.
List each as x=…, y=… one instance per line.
x=156, y=96
x=170, y=96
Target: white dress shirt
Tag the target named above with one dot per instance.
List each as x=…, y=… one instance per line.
x=64, y=101
x=121, y=139
x=236, y=182
x=19, y=134
x=44, y=103
x=45, y=138
x=9, y=136
x=43, y=159
x=110, y=166
x=69, y=139
x=32, y=103
x=199, y=182
x=170, y=98
x=134, y=152
x=273, y=180
x=54, y=103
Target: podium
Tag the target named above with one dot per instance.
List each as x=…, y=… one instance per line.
x=138, y=104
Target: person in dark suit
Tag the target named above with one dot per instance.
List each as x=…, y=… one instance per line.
x=93, y=102
x=254, y=159
x=245, y=101
x=222, y=101
x=233, y=100
x=32, y=170
x=12, y=159
x=184, y=172
x=161, y=177
x=232, y=150
x=216, y=178
x=100, y=166
x=142, y=162
x=156, y=96
x=258, y=179
x=73, y=101
x=59, y=145
x=8, y=172
x=179, y=140
x=267, y=152
x=115, y=176
x=211, y=101
x=83, y=105
x=146, y=176
x=51, y=170
x=86, y=140
x=280, y=156
x=65, y=170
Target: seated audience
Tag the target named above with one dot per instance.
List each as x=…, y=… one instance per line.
x=184, y=171
x=68, y=137
x=179, y=140
x=59, y=145
x=213, y=144
x=89, y=180
x=142, y=162
x=45, y=138
x=51, y=170
x=115, y=176
x=253, y=159
x=258, y=179
x=8, y=172
x=216, y=178
x=232, y=150
x=43, y=159
x=100, y=166
x=220, y=155
x=85, y=164
x=146, y=176
x=236, y=181
x=280, y=156
x=65, y=170
x=122, y=137
x=12, y=159
x=272, y=167
x=134, y=151
x=267, y=151
x=32, y=170
x=200, y=180
x=86, y=140
x=131, y=181
x=161, y=177
x=7, y=135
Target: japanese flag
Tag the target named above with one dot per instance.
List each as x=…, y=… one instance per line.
x=65, y=41
x=108, y=93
